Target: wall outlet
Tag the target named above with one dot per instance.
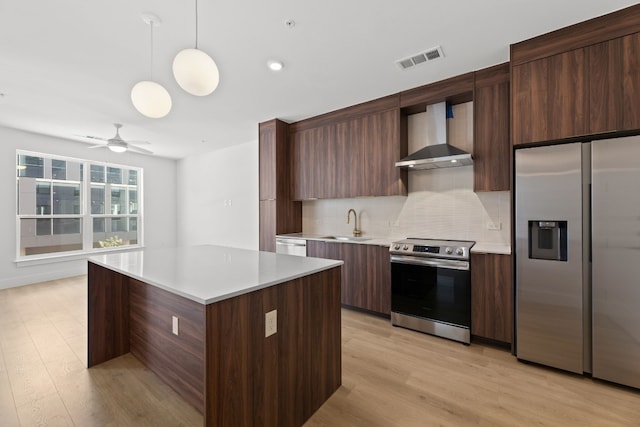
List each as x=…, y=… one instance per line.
x=174, y=325
x=494, y=226
x=270, y=323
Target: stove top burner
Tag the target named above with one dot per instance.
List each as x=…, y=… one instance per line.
x=430, y=248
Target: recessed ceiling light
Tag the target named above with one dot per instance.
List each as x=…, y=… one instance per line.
x=275, y=65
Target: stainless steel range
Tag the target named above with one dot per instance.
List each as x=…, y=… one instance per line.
x=431, y=287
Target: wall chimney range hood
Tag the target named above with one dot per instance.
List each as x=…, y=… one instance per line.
x=438, y=154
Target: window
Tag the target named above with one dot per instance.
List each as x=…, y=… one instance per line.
x=59, y=211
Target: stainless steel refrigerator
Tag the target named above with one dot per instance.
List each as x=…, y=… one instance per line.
x=577, y=229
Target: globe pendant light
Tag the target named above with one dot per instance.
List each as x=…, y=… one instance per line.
x=194, y=70
x=150, y=98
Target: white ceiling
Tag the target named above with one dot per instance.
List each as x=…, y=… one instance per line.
x=67, y=66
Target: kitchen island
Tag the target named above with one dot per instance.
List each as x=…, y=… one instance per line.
x=196, y=317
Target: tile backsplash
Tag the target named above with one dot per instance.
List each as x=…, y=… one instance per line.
x=441, y=205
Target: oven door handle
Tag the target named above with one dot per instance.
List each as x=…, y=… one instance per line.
x=441, y=263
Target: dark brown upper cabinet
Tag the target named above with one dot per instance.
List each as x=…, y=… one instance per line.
x=310, y=162
x=346, y=175
x=549, y=98
x=348, y=153
x=491, y=146
x=267, y=161
x=578, y=81
x=614, y=85
x=381, y=149
x=273, y=155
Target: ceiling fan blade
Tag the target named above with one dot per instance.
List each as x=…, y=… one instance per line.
x=92, y=137
x=98, y=146
x=137, y=142
x=139, y=149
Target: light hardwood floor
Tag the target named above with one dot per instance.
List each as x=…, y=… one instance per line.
x=391, y=377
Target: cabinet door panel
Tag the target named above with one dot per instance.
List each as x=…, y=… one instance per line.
x=549, y=98
x=267, y=163
x=605, y=86
x=267, y=226
x=320, y=249
x=298, y=181
x=378, y=280
x=303, y=167
x=349, y=150
x=530, y=101
x=381, y=150
x=492, y=297
x=352, y=285
x=567, y=95
x=631, y=81
x=310, y=160
x=322, y=161
x=491, y=130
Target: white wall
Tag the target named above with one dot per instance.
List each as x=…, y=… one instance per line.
x=160, y=220
x=207, y=183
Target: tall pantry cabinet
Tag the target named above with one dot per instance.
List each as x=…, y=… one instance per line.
x=278, y=213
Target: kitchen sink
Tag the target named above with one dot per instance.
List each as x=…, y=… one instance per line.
x=347, y=238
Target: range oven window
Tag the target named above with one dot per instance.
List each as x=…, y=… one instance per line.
x=435, y=293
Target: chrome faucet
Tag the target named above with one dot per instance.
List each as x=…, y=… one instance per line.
x=356, y=232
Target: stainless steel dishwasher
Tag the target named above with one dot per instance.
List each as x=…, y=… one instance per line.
x=289, y=246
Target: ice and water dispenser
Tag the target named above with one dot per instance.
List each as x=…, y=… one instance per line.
x=548, y=240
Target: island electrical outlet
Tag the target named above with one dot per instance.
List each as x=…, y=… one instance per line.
x=270, y=323
x=174, y=325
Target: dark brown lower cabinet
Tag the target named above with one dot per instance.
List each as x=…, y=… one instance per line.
x=378, y=276
x=366, y=273
x=492, y=297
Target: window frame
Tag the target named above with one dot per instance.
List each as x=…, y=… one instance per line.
x=86, y=216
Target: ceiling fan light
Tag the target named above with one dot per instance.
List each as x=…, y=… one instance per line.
x=151, y=99
x=196, y=72
x=117, y=147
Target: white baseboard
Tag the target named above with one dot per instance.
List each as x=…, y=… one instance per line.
x=29, y=279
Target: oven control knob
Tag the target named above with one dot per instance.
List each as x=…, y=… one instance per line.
x=448, y=251
x=396, y=247
x=459, y=251
x=405, y=247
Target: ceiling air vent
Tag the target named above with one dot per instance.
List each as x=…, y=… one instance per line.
x=420, y=58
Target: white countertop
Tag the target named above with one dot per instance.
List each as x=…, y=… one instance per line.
x=208, y=273
x=479, y=247
x=369, y=240
x=491, y=248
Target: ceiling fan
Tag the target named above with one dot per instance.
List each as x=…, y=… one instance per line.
x=117, y=144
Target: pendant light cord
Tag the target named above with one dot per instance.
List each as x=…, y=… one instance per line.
x=151, y=50
x=196, y=24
